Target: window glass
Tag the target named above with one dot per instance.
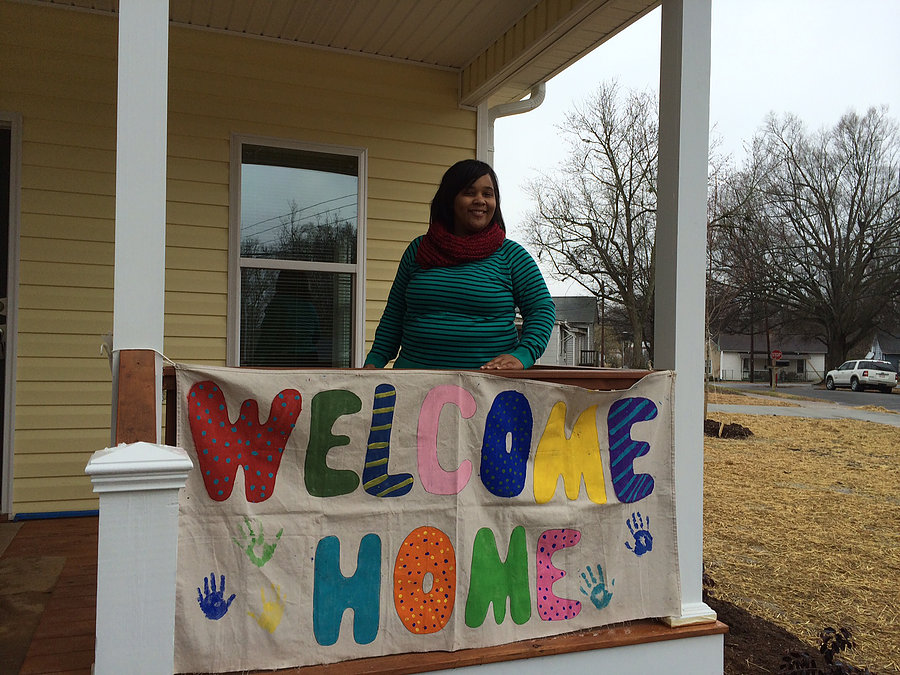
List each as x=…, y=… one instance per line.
x=298, y=205
x=877, y=365
x=299, y=229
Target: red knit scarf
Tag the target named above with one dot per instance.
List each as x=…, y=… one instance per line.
x=441, y=248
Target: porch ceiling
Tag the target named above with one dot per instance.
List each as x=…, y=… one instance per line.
x=501, y=48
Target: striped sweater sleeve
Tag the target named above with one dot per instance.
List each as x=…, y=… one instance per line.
x=390, y=329
x=534, y=302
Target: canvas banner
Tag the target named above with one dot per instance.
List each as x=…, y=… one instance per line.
x=446, y=510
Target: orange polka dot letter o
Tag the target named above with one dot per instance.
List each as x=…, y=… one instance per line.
x=426, y=560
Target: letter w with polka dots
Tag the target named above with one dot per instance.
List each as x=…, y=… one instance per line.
x=223, y=445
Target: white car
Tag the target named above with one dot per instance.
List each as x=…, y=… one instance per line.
x=863, y=373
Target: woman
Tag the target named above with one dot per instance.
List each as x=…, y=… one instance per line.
x=453, y=302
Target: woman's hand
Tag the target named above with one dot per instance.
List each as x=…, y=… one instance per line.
x=503, y=362
x=369, y=365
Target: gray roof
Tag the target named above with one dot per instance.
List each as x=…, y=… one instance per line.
x=890, y=344
x=580, y=309
x=788, y=344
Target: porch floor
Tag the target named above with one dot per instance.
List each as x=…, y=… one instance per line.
x=48, y=605
x=48, y=596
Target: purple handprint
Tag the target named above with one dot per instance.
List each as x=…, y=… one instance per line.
x=213, y=602
x=643, y=540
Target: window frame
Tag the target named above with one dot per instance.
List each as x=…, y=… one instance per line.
x=236, y=263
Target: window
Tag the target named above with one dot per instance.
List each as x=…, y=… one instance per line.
x=297, y=275
x=801, y=365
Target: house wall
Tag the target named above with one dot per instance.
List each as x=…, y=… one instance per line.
x=59, y=72
x=732, y=367
x=550, y=357
x=714, y=358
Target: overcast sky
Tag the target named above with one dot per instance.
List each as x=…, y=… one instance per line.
x=814, y=58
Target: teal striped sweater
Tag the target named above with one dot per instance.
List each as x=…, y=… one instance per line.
x=463, y=316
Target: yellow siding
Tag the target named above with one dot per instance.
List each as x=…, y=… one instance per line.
x=59, y=72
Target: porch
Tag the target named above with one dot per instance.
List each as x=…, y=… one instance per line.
x=48, y=620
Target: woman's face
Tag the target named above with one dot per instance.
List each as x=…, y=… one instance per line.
x=474, y=206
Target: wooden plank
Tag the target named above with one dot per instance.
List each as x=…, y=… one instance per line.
x=55, y=345
x=70, y=416
x=69, y=180
x=52, y=494
x=196, y=259
x=60, y=440
x=66, y=274
x=56, y=226
x=196, y=281
x=38, y=152
x=620, y=635
x=42, y=249
x=195, y=350
x=62, y=322
x=207, y=304
x=136, y=408
x=196, y=192
x=61, y=393
x=34, y=465
x=199, y=170
x=195, y=326
x=197, y=236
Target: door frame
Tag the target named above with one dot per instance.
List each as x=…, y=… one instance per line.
x=13, y=122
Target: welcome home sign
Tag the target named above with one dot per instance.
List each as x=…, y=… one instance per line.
x=445, y=510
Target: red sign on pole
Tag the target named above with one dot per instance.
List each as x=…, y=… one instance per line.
x=776, y=354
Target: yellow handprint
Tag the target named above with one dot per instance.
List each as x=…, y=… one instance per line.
x=272, y=611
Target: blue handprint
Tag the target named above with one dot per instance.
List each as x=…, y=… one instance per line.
x=596, y=589
x=213, y=602
x=643, y=540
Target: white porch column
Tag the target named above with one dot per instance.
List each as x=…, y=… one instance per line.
x=680, y=268
x=138, y=486
x=142, y=108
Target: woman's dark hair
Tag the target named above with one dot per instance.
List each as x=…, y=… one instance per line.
x=456, y=179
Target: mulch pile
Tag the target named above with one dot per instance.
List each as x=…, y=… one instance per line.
x=723, y=430
x=802, y=530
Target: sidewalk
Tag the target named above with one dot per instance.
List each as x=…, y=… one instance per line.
x=813, y=409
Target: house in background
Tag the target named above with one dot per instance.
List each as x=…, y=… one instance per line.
x=572, y=340
x=172, y=166
x=802, y=359
x=886, y=347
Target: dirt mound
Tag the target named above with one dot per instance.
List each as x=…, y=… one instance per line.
x=722, y=430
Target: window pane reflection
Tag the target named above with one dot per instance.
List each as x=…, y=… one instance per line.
x=298, y=205
x=296, y=318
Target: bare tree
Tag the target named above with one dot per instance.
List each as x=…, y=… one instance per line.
x=595, y=218
x=812, y=229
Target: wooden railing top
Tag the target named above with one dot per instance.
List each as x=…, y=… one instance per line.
x=605, y=379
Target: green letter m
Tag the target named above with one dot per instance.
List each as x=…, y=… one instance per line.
x=493, y=580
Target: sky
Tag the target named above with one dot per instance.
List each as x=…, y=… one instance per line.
x=814, y=58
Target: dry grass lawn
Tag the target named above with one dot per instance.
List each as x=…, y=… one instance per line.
x=802, y=527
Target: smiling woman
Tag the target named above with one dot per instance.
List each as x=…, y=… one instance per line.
x=454, y=300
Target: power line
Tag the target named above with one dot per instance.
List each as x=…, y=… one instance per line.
x=266, y=220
